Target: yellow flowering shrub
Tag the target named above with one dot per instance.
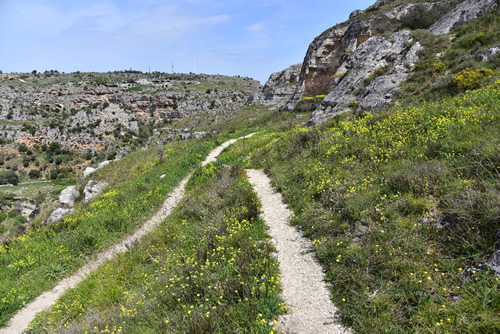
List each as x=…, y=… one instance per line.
x=470, y=79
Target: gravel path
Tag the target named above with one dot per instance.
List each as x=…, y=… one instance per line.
x=20, y=321
x=302, y=278
x=212, y=156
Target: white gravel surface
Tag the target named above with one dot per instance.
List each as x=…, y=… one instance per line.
x=302, y=278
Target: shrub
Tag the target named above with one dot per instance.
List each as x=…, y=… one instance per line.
x=34, y=174
x=54, y=173
x=421, y=17
x=9, y=177
x=469, y=79
x=22, y=148
x=54, y=147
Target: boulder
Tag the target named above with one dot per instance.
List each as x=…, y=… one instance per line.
x=93, y=189
x=68, y=196
x=88, y=171
x=494, y=262
x=58, y=214
x=103, y=164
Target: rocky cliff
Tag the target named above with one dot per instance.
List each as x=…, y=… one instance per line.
x=85, y=115
x=279, y=87
x=361, y=63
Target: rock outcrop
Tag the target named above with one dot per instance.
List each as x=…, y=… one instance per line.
x=466, y=11
x=58, y=214
x=490, y=53
x=28, y=208
x=279, y=87
x=372, y=73
x=93, y=189
x=68, y=196
x=361, y=63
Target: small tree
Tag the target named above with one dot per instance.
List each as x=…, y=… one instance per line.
x=58, y=160
x=54, y=173
x=34, y=174
x=22, y=148
x=9, y=177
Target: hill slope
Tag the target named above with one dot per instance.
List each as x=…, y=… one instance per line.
x=403, y=209
x=396, y=186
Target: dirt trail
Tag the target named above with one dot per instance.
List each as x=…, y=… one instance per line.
x=20, y=321
x=302, y=278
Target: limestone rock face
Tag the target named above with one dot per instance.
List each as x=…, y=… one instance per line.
x=87, y=116
x=380, y=65
x=328, y=57
x=279, y=87
x=68, y=196
x=93, y=189
x=361, y=63
x=58, y=214
x=466, y=11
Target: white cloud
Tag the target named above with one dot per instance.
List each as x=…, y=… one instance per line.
x=257, y=27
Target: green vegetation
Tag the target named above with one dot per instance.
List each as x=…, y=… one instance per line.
x=444, y=63
x=402, y=207
x=206, y=269
x=422, y=17
x=32, y=262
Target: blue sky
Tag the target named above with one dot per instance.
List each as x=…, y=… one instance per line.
x=251, y=38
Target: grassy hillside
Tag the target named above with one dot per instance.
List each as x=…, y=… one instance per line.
x=402, y=207
x=33, y=262
x=206, y=269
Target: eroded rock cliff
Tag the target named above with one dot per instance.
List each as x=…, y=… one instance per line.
x=361, y=63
